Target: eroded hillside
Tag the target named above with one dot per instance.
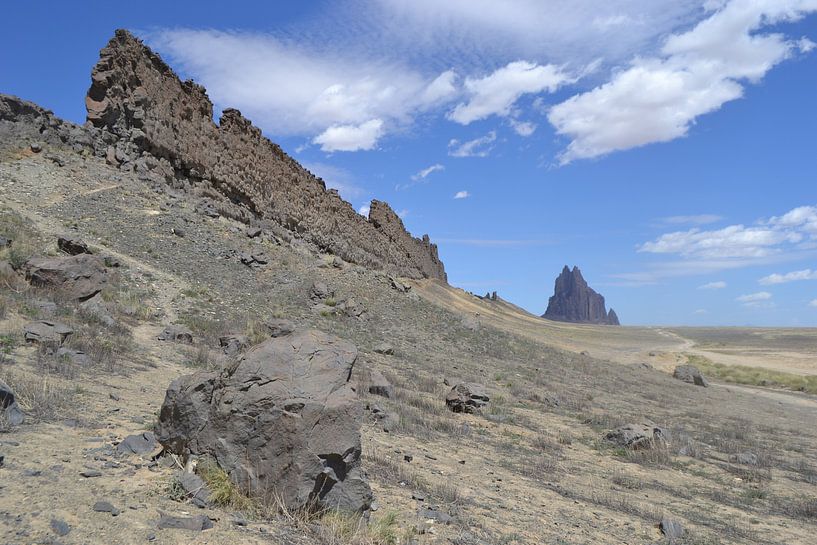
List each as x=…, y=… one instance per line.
x=532, y=466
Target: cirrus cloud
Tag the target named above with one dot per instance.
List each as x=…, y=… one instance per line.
x=658, y=98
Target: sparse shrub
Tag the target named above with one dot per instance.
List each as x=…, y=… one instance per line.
x=256, y=332
x=330, y=302
x=625, y=481
x=40, y=396
x=199, y=357
x=223, y=492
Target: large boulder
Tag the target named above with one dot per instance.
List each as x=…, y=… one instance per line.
x=690, y=374
x=46, y=332
x=10, y=411
x=282, y=421
x=643, y=435
x=78, y=276
x=467, y=397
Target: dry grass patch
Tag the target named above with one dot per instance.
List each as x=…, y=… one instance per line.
x=754, y=376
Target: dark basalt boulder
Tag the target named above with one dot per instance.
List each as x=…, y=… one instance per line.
x=643, y=435
x=574, y=301
x=284, y=420
x=467, y=397
x=72, y=245
x=690, y=374
x=78, y=276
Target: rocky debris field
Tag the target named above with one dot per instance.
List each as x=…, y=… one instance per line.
x=158, y=388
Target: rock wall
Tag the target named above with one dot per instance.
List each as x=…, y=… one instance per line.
x=137, y=96
x=574, y=301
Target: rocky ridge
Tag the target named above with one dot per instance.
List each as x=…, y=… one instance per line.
x=164, y=129
x=574, y=301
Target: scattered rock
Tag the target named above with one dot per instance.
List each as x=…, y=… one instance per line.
x=46, y=332
x=671, y=528
x=352, y=308
x=574, y=301
x=233, y=344
x=79, y=277
x=690, y=374
x=278, y=327
x=398, y=285
x=644, y=435
x=36, y=147
x=379, y=385
x=197, y=523
x=96, y=308
x=384, y=348
x=72, y=245
x=320, y=291
x=177, y=334
x=255, y=259
x=207, y=208
x=103, y=506
x=253, y=232
x=75, y=357
x=195, y=487
x=90, y=473
x=60, y=527
x=5, y=242
x=284, y=417
x=140, y=443
x=467, y=397
x=437, y=516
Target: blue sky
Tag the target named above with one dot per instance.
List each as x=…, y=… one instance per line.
x=667, y=147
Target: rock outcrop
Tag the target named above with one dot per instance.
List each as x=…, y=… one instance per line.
x=283, y=422
x=78, y=277
x=158, y=119
x=574, y=301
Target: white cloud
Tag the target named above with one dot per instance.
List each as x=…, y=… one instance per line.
x=523, y=128
x=700, y=219
x=813, y=303
x=805, y=274
x=791, y=237
x=562, y=31
x=348, y=97
x=754, y=299
x=713, y=285
x=462, y=195
x=657, y=99
x=423, y=174
x=496, y=93
x=442, y=89
x=701, y=311
x=479, y=147
x=364, y=210
x=797, y=228
x=350, y=137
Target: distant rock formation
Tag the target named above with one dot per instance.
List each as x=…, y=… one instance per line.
x=164, y=124
x=574, y=301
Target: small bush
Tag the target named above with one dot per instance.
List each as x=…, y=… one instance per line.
x=223, y=492
x=40, y=396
